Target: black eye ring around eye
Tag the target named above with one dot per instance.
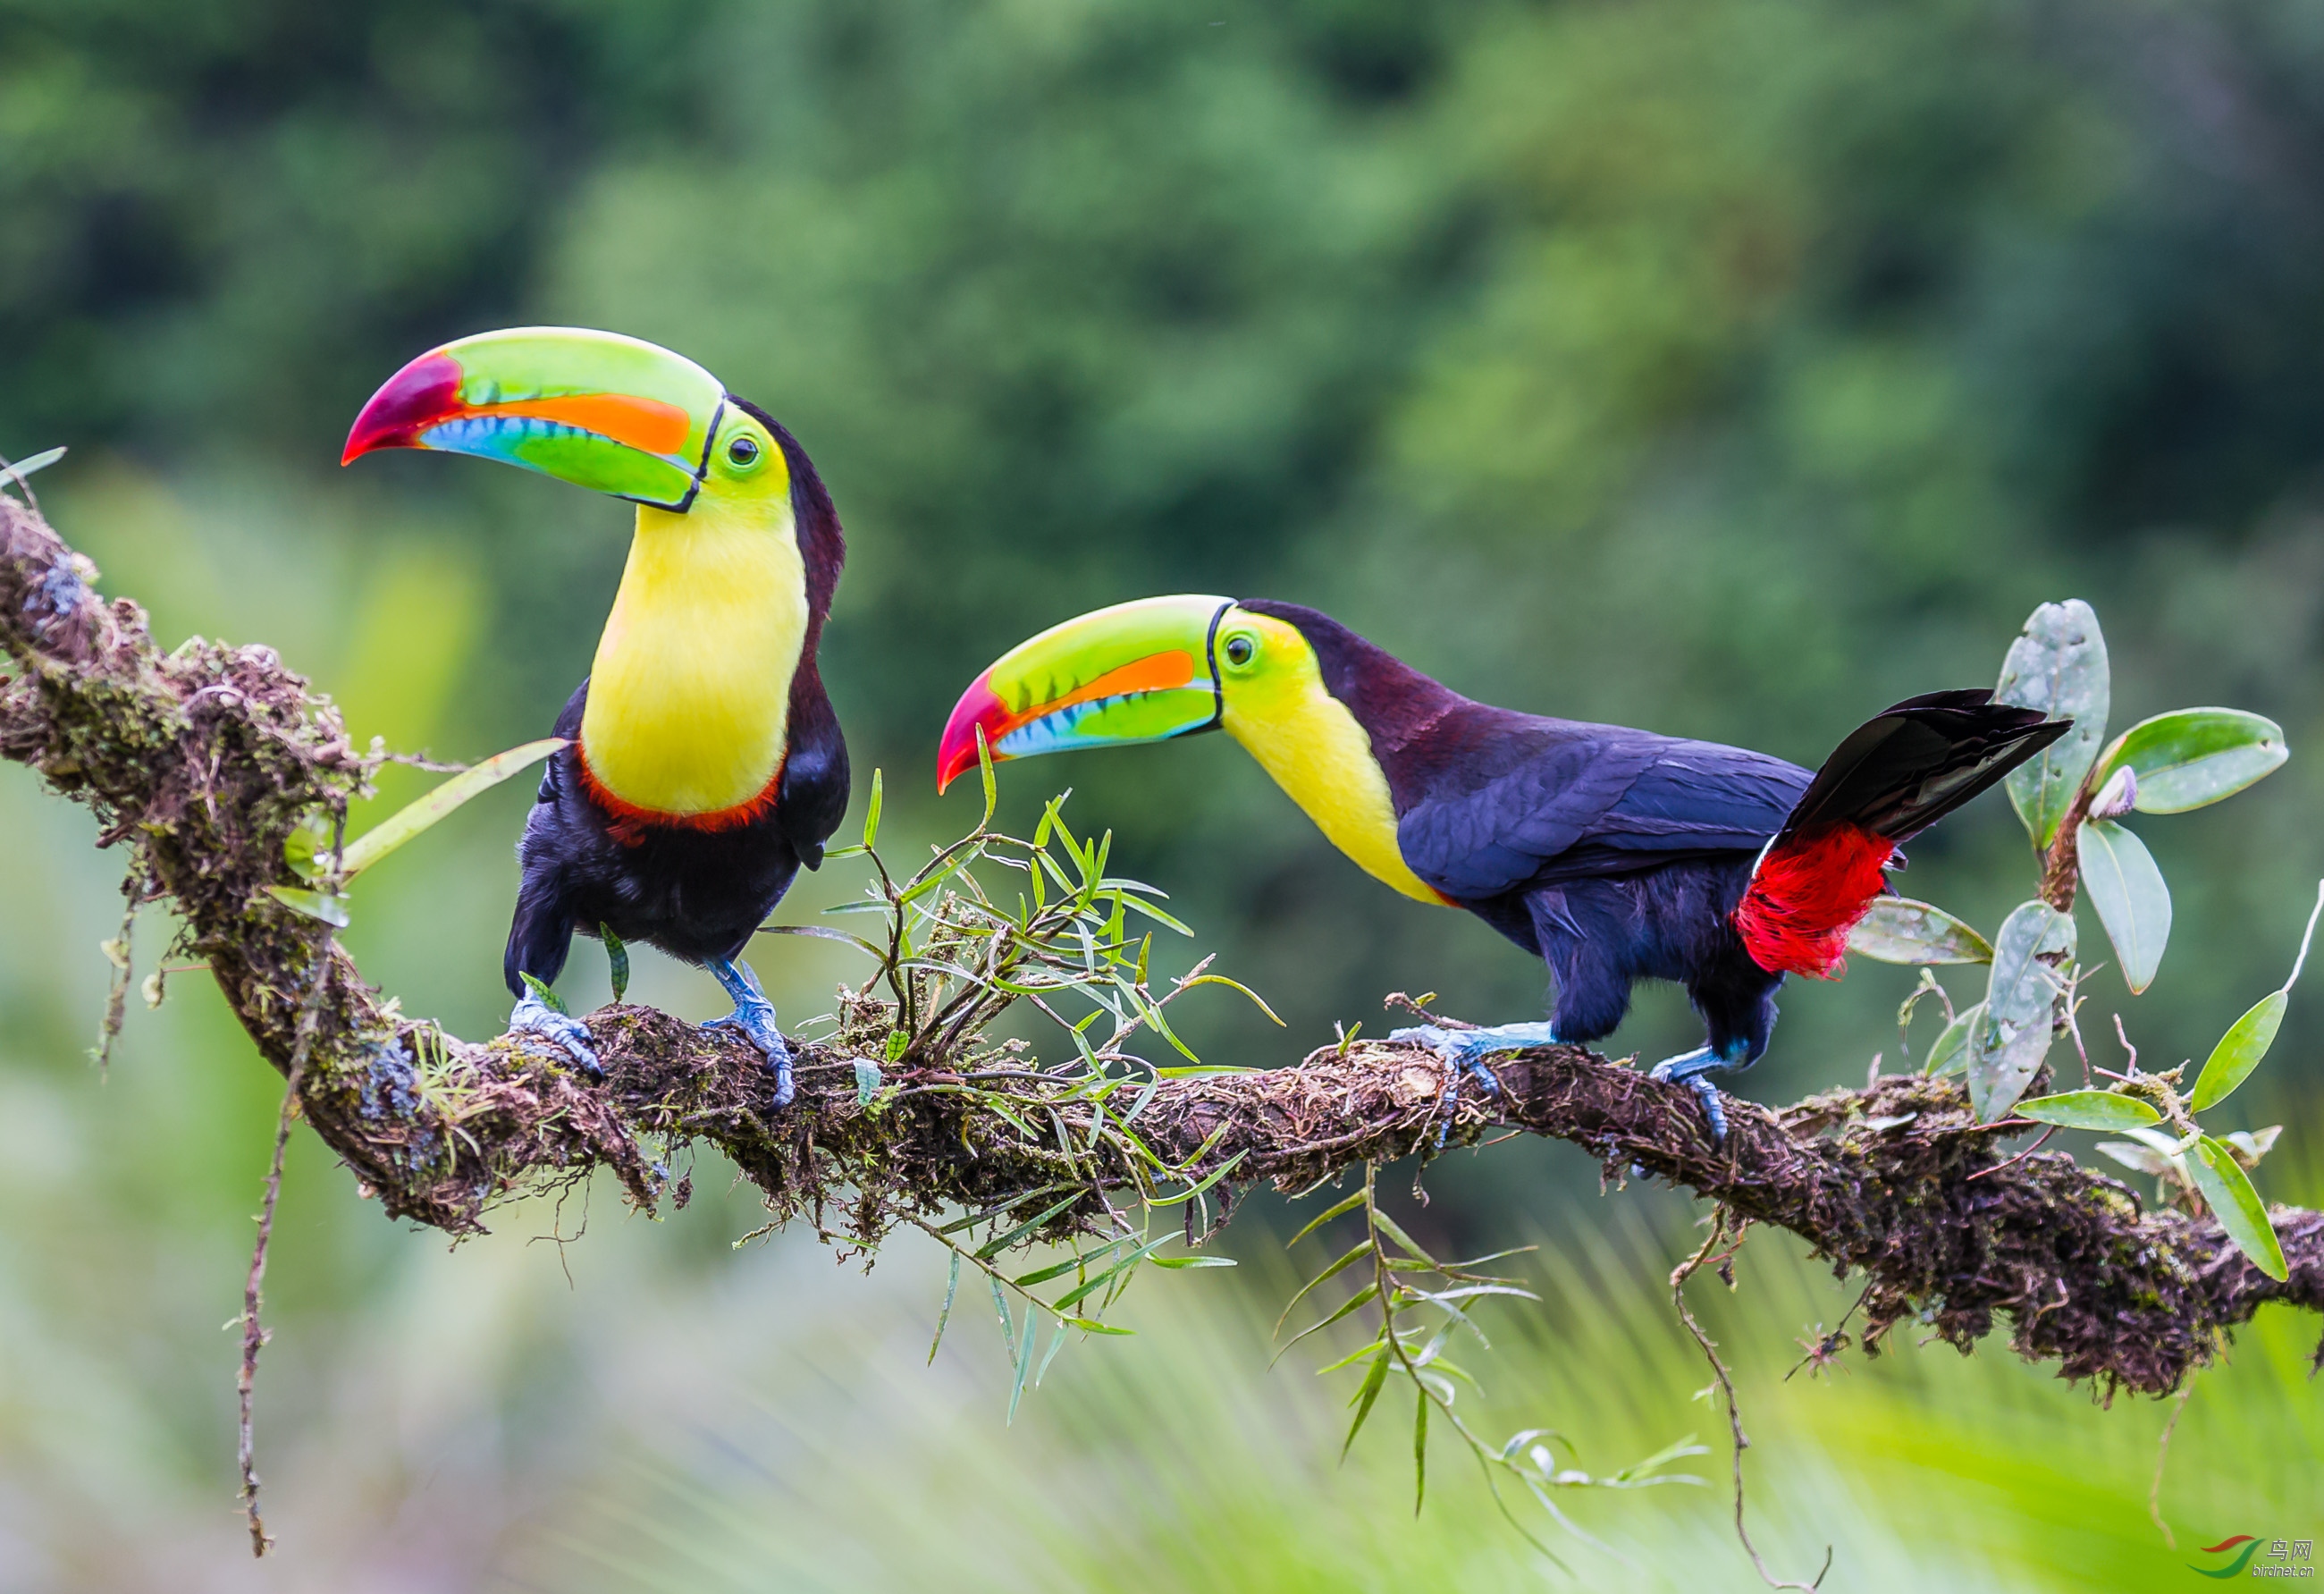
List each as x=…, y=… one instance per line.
x=744, y=451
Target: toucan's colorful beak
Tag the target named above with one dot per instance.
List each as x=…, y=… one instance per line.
x=612, y=413
x=1136, y=672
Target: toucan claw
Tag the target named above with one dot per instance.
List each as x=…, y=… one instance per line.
x=755, y=1016
x=532, y=1016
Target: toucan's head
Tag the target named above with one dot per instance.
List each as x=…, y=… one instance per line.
x=1144, y=671
x=600, y=410
x=1324, y=712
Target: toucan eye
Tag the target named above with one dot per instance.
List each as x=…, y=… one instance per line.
x=743, y=453
x=1238, y=651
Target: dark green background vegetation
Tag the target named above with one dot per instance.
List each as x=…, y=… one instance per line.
x=1732, y=367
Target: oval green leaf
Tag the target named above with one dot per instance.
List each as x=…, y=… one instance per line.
x=1899, y=930
x=2237, y=1206
x=2192, y=757
x=412, y=819
x=1950, y=1052
x=2132, y=901
x=2090, y=1109
x=2057, y=664
x=2239, y=1051
x=2020, y=1007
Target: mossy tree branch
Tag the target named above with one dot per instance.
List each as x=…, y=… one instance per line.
x=201, y=761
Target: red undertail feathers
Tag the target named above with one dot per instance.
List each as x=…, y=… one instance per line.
x=1808, y=893
x=1894, y=776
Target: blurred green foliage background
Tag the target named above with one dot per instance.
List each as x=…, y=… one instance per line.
x=1731, y=367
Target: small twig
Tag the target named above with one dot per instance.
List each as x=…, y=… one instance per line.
x=2020, y=1156
x=2163, y=1454
x=254, y=1337
x=1678, y=1276
x=117, y=1000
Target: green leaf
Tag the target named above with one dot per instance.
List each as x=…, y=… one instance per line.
x=2239, y=1051
x=546, y=997
x=2237, y=1206
x=1366, y=1393
x=1348, y=1205
x=951, y=1288
x=1949, y=1053
x=899, y=1043
x=1351, y=1305
x=867, y=1080
x=1899, y=930
x=329, y=908
x=414, y=817
x=2193, y=757
x=2090, y=1109
x=617, y=960
x=17, y=471
x=1419, y=1450
x=2132, y=901
x=1354, y=1254
x=1195, y=1262
x=993, y=801
x=871, y=814
x=994, y=1248
x=2014, y=1036
x=308, y=841
x=2139, y=1159
x=2058, y=666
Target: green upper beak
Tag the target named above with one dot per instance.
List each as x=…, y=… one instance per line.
x=1136, y=672
x=600, y=410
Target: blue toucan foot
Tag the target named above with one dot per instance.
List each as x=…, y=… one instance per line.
x=754, y=1015
x=561, y=1030
x=1464, y=1052
x=1693, y=1069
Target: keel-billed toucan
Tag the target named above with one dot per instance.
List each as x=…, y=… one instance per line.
x=703, y=762
x=1613, y=854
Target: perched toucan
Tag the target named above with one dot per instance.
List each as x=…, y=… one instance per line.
x=1613, y=854
x=705, y=764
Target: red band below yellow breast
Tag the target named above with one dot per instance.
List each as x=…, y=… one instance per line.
x=628, y=823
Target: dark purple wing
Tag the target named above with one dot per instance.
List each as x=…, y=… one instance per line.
x=1494, y=800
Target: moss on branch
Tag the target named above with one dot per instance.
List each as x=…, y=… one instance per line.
x=200, y=763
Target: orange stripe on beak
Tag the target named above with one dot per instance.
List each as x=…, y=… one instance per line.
x=648, y=425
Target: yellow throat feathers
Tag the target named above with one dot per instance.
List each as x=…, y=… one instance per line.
x=690, y=694
x=1306, y=738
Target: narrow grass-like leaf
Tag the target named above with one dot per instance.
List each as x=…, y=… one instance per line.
x=1007, y=1327
x=415, y=818
x=1346, y=1260
x=1209, y=1179
x=1348, y=1205
x=1083, y=1292
x=951, y=1288
x=2239, y=1051
x=985, y=773
x=617, y=961
x=2237, y=1206
x=541, y=992
x=1258, y=1001
x=1419, y=1449
x=17, y=471
x=1352, y=1304
x=2090, y=1109
x=1091, y=1325
x=1192, y=1262
x=1366, y=1393
x=1025, y=1338
x=1390, y=1227
x=994, y=1248
x=872, y=813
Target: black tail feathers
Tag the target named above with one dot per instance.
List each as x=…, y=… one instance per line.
x=1909, y=766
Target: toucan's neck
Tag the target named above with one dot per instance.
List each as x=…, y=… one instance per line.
x=689, y=697
x=1325, y=755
